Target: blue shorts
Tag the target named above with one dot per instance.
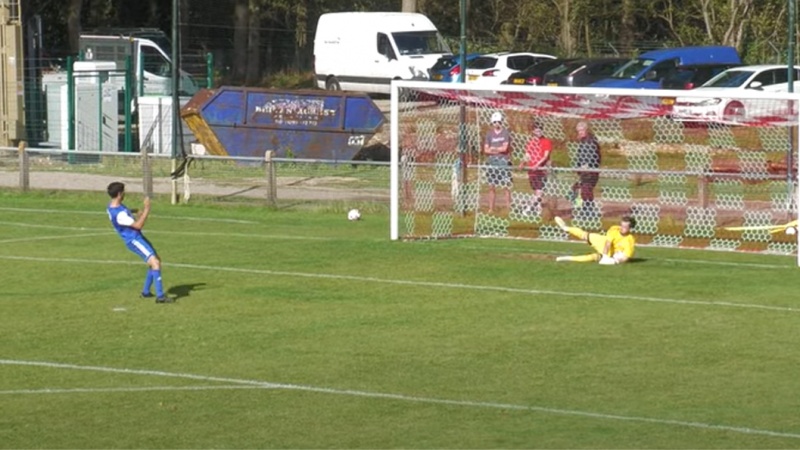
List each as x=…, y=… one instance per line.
x=142, y=247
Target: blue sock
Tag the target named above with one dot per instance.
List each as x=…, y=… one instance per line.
x=157, y=279
x=148, y=282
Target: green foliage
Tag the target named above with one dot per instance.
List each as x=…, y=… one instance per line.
x=287, y=79
x=285, y=29
x=303, y=330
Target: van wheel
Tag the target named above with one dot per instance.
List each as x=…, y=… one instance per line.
x=733, y=112
x=333, y=84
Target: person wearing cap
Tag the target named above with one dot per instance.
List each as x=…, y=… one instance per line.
x=496, y=147
x=537, y=159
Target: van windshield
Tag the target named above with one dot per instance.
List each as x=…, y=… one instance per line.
x=632, y=68
x=420, y=43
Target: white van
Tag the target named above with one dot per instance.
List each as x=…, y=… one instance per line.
x=365, y=51
x=147, y=56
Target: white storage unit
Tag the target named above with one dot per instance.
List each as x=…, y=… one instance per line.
x=155, y=125
x=96, y=107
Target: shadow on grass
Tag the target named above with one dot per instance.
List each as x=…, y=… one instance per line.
x=183, y=290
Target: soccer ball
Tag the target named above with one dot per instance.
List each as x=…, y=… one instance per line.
x=353, y=214
x=791, y=231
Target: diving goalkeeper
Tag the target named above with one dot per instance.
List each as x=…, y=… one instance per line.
x=614, y=247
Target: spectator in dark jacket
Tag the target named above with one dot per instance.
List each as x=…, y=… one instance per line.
x=587, y=158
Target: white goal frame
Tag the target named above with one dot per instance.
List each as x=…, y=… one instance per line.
x=495, y=98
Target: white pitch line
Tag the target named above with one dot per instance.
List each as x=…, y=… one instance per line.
x=124, y=390
x=60, y=211
x=704, y=262
x=435, y=284
x=180, y=233
x=411, y=398
x=320, y=238
x=45, y=238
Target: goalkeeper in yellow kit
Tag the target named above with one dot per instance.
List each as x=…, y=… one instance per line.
x=614, y=247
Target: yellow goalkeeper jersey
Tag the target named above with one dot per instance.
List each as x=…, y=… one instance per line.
x=620, y=243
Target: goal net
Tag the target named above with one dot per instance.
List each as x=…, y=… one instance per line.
x=687, y=165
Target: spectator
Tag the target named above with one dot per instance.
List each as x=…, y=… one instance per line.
x=587, y=159
x=498, y=171
x=537, y=158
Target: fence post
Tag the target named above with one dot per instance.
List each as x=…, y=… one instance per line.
x=272, y=189
x=147, y=173
x=209, y=70
x=702, y=190
x=24, y=168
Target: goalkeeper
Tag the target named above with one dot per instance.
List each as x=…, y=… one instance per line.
x=614, y=247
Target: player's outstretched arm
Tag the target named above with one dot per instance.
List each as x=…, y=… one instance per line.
x=142, y=218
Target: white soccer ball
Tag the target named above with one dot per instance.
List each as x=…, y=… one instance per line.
x=353, y=214
x=791, y=231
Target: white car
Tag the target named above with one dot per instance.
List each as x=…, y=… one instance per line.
x=721, y=104
x=494, y=68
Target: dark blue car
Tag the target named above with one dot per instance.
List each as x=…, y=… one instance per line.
x=447, y=68
x=647, y=71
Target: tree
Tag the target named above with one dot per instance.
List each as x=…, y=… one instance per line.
x=74, y=25
x=566, y=15
x=241, y=23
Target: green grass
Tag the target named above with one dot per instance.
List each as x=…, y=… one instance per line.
x=299, y=329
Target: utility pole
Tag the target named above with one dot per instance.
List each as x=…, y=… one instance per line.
x=790, y=44
x=176, y=83
x=409, y=5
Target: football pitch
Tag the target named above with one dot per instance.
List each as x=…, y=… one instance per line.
x=295, y=328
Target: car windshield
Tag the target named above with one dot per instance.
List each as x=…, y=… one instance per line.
x=632, y=68
x=420, y=43
x=566, y=68
x=448, y=62
x=680, y=76
x=482, y=62
x=543, y=66
x=445, y=63
x=730, y=78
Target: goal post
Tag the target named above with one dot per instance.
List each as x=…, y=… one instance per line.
x=712, y=170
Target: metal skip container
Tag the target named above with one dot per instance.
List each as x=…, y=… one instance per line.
x=247, y=122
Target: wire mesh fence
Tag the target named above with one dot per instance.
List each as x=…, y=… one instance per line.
x=277, y=182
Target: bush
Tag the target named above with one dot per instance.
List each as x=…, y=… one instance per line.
x=290, y=80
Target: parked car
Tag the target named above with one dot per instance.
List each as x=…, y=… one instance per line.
x=448, y=68
x=693, y=75
x=494, y=68
x=647, y=71
x=583, y=72
x=767, y=78
x=534, y=75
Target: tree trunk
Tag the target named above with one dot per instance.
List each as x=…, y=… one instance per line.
x=154, y=11
x=240, y=40
x=74, y=25
x=627, y=30
x=705, y=8
x=565, y=38
x=409, y=6
x=185, y=31
x=301, y=36
x=254, y=45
